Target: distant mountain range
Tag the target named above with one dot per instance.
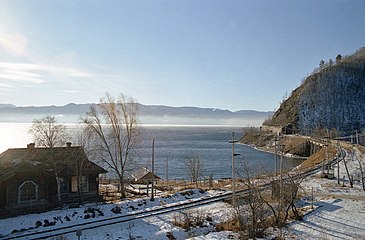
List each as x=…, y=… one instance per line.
x=148, y=114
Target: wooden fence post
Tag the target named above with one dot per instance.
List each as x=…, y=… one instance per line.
x=312, y=197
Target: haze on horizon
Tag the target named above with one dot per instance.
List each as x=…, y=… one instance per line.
x=216, y=54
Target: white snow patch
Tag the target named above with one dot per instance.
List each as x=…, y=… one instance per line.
x=339, y=213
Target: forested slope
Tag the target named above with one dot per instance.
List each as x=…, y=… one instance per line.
x=333, y=97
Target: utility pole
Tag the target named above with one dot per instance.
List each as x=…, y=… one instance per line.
x=233, y=141
x=326, y=145
x=352, y=159
x=167, y=168
x=276, y=157
x=338, y=162
x=281, y=159
x=281, y=177
x=153, y=170
x=167, y=172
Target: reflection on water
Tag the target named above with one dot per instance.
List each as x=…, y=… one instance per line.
x=14, y=135
x=172, y=145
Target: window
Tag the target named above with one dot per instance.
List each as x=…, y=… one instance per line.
x=84, y=183
x=27, y=192
x=63, y=183
x=74, y=184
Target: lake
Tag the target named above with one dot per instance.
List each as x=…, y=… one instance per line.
x=173, y=144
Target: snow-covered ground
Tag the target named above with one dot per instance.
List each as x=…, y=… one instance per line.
x=338, y=213
x=333, y=218
x=158, y=227
x=339, y=210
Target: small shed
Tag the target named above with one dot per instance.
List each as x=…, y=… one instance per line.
x=328, y=172
x=144, y=175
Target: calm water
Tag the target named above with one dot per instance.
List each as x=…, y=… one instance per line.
x=173, y=144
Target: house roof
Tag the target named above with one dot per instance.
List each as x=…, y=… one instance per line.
x=143, y=174
x=32, y=159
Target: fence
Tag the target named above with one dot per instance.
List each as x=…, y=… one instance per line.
x=110, y=188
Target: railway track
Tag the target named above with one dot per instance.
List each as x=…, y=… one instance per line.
x=119, y=219
x=48, y=233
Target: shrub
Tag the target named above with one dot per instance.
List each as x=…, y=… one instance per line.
x=116, y=210
x=189, y=219
x=38, y=224
x=91, y=211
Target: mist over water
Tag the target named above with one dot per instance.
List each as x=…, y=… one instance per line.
x=173, y=144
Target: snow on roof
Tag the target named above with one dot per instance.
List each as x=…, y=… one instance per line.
x=143, y=173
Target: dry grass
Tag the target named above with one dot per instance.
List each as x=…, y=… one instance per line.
x=318, y=157
x=191, y=219
x=257, y=138
x=360, y=148
x=230, y=225
x=296, y=145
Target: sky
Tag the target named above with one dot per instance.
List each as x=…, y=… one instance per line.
x=231, y=54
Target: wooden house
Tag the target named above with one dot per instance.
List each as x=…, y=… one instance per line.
x=37, y=179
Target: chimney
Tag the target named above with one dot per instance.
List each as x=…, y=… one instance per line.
x=68, y=144
x=30, y=145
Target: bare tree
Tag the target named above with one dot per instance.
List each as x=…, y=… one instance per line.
x=361, y=168
x=284, y=197
x=48, y=133
x=194, y=166
x=251, y=213
x=259, y=209
x=79, y=164
x=112, y=125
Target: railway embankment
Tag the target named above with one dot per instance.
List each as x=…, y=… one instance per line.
x=314, y=151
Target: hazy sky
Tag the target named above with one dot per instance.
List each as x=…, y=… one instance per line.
x=242, y=54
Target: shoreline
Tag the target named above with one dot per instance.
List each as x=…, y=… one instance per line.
x=268, y=150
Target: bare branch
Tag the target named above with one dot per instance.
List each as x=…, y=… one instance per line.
x=113, y=126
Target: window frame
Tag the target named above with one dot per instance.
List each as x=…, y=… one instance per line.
x=84, y=183
x=20, y=201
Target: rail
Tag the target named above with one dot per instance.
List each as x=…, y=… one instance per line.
x=152, y=212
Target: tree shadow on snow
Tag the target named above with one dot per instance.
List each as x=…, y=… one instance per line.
x=326, y=227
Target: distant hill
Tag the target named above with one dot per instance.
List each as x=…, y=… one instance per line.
x=71, y=113
x=7, y=105
x=332, y=97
